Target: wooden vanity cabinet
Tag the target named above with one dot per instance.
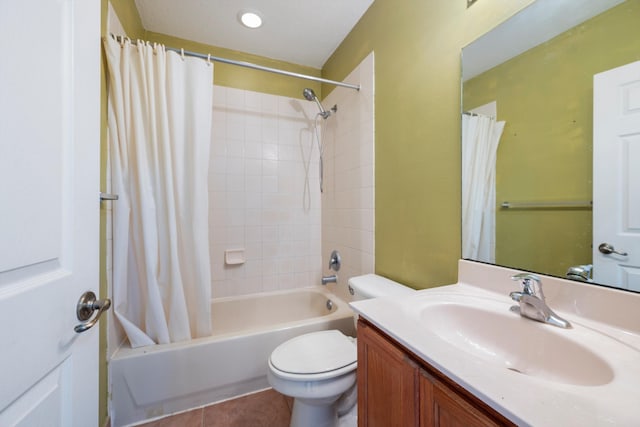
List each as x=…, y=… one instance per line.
x=387, y=379
x=397, y=388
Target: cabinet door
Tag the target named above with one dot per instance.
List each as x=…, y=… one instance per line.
x=442, y=407
x=387, y=382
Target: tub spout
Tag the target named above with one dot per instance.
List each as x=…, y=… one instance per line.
x=330, y=279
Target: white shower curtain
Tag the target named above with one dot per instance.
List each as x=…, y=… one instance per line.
x=480, y=139
x=159, y=122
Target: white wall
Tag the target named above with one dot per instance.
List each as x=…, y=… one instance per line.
x=258, y=194
x=259, y=198
x=348, y=214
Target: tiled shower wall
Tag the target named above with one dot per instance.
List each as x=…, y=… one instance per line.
x=264, y=193
x=348, y=199
x=264, y=188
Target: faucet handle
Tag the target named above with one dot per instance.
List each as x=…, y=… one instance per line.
x=335, y=261
x=531, y=284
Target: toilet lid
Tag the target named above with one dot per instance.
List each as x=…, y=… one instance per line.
x=315, y=353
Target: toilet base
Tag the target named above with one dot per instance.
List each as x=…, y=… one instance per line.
x=313, y=414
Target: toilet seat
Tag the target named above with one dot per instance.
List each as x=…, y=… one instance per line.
x=314, y=356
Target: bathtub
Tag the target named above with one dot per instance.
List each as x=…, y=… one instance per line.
x=149, y=382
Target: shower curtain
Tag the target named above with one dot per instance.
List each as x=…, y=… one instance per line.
x=159, y=126
x=480, y=139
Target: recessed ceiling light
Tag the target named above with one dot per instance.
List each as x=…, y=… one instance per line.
x=250, y=19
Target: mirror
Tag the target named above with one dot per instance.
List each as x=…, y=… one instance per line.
x=536, y=71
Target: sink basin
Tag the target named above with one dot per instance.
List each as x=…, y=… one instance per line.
x=487, y=329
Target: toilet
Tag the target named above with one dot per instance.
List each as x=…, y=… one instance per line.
x=319, y=369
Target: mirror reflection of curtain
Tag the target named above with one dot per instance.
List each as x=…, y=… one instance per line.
x=480, y=139
x=159, y=118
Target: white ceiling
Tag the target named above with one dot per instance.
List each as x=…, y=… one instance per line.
x=304, y=32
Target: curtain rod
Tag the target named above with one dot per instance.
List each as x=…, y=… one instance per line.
x=252, y=66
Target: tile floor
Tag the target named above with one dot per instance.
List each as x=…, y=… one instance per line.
x=263, y=409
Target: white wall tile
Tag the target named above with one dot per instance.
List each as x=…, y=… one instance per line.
x=219, y=96
x=347, y=203
x=270, y=151
x=270, y=184
x=235, y=128
x=269, y=130
x=289, y=108
x=235, y=98
x=234, y=148
x=253, y=101
x=250, y=205
x=269, y=104
x=253, y=166
x=253, y=250
x=217, y=151
x=252, y=201
x=234, y=200
x=264, y=187
x=235, y=166
x=253, y=119
x=235, y=182
x=218, y=126
x=270, y=283
x=253, y=216
x=235, y=218
x=252, y=184
x=253, y=234
x=253, y=132
x=235, y=237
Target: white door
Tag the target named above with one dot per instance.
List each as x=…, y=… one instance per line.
x=616, y=176
x=49, y=210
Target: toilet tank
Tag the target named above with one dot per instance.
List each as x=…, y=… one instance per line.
x=374, y=286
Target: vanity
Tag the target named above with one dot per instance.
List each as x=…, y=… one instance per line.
x=399, y=388
x=548, y=351
x=459, y=355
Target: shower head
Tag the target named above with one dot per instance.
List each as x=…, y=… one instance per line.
x=310, y=95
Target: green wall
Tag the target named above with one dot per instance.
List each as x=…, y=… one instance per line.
x=417, y=65
x=417, y=48
x=545, y=96
x=129, y=17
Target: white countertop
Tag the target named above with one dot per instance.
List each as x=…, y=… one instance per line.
x=526, y=399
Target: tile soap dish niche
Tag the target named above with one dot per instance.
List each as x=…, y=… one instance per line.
x=234, y=256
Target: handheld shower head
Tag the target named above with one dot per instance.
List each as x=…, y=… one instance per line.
x=310, y=95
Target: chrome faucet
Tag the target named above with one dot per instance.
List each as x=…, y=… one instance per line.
x=532, y=301
x=335, y=260
x=330, y=279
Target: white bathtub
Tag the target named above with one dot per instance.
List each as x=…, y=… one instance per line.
x=152, y=381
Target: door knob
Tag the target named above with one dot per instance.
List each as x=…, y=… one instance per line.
x=608, y=249
x=87, y=305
